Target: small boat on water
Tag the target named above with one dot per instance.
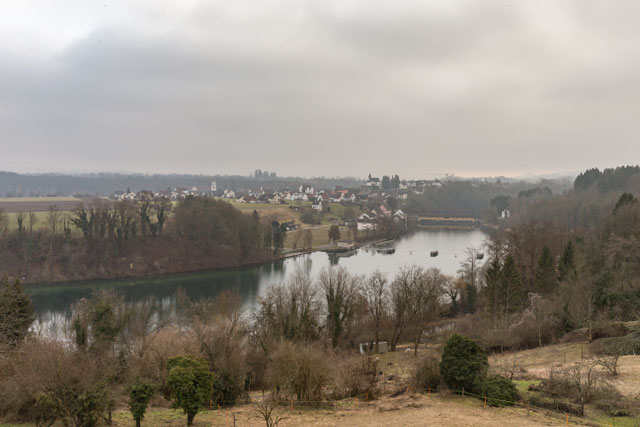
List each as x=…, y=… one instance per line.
x=480, y=256
x=346, y=254
x=387, y=251
x=434, y=253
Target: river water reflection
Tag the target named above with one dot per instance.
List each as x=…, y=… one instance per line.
x=52, y=302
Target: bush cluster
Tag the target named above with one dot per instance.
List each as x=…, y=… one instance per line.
x=464, y=366
x=500, y=391
x=426, y=374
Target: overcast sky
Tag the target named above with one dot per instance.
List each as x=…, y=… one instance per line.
x=319, y=87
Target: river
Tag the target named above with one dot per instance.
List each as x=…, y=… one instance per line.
x=52, y=301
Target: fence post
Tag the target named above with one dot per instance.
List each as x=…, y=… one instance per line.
x=429, y=392
x=567, y=414
x=485, y=402
x=292, y=404
x=462, y=391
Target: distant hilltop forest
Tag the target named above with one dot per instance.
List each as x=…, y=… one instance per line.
x=103, y=184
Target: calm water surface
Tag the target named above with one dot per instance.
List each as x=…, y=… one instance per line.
x=52, y=302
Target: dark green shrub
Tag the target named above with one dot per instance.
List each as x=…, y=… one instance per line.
x=226, y=389
x=426, y=374
x=45, y=410
x=140, y=393
x=83, y=407
x=464, y=363
x=499, y=391
x=191, y=384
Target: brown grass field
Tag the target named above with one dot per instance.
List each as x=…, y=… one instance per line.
x=416, y=409
x=411, y=408
x=40, y=204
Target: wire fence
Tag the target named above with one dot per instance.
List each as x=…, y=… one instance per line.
x=486, y=401
x=564, y=416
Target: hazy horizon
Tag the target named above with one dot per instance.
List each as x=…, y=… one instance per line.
x=557, y=175
x=332, y=88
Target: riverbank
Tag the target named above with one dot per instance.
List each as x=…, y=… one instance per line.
x=52, y=300
x=334, y=248
x=448, y=222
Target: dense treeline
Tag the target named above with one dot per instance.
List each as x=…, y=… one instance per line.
x=138, y=239
x=476, y=199
x=611, y=179
x=26, y=185
x=564, y=262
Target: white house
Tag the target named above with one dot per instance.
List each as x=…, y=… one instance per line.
x=399, y=216
x=363, y=226
x=247, y=199
x=275, y=199
x=505, y=214
x=306, y=189
x=365, y=217
x=317, y=205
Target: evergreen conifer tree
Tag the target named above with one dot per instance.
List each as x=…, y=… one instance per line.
x=16, y=312
x=546, y=280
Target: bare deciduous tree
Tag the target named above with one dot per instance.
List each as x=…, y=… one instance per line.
x=426, y=288
x=375, y=293
x=307, y=240
x=144, y=323
x=414, y=298
x=290, y=311
x=33, y=219
x=399, y=301
x=4, y=221
x=453, y=288
x=470, y=267
x=20, y=217
x=53, y=218
x=541, y=312
x=340, y=290
x=266, y=408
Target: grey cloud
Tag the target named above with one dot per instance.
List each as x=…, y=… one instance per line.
x=302, y=88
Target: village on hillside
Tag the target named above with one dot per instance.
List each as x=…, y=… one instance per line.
x=373, y=190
